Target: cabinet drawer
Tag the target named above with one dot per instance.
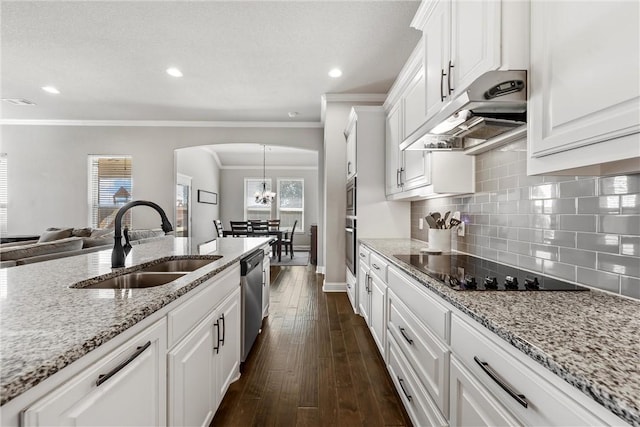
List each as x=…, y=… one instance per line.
x=186, y=316
x=426, y=354
x=425, y=307
x=363, y=255
x=422, y=410
x=125, y=387
x=378, y=266
x=546, y=403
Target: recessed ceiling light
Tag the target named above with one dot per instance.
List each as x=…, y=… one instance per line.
x=293, y=114
x=50, y=89
x=174, y=72
x=335, y=73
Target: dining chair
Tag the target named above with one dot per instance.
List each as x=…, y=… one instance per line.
x=239, y=228
x=258, y=226
x=287, y=241
x=273, y=224
x=218, y=225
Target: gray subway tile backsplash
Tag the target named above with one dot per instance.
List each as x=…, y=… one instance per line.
x=583, y=229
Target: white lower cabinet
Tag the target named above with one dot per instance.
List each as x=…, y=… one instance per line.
x=472, y=404
x=125, y=387
x=420, y=407
x=192, y=376
x=372, y=290
x=229, y=315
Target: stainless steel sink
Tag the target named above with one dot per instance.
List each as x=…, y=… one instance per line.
x=185, y=265
x=135, y=280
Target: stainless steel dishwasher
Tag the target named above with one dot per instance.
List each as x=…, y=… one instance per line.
x=251, y=285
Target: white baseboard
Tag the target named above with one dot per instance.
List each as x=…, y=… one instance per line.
x=334, y=287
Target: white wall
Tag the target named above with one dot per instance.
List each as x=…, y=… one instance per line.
x=200, y=165
x=232, y=195
x=47, y=166
x=335, y=181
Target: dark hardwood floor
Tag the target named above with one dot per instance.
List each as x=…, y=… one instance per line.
x=314, y=364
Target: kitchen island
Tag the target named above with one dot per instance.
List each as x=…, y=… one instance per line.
x=48, y=330
x=590, y=340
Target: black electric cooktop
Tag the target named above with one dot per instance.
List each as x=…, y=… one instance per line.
x=468, y=273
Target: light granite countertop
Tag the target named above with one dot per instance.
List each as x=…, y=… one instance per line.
x=45, y=325
x=589, y=339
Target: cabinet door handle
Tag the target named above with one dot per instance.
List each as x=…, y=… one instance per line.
x=139, y=350
x=442, y=74
x=264, y=278
x=348, y=168
x=520, y=398
x=224, y=328
x=217, y=346
x=404, y=334
x=369, y=287
x=401, y=180
x=401, y=381
x=375, y=266
x=451, y=89
x=362, y=255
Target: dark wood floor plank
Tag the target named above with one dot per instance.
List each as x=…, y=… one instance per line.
x=308, y=417
x=314, y=364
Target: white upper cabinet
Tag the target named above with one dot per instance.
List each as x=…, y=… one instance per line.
x=414, y=103
x=393, y=155
x=465, y=39
x=584, y=108
x=351, y=151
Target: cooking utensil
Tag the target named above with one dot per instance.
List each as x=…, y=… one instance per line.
x=431, y=221
x=446, y=216
x=453, y=222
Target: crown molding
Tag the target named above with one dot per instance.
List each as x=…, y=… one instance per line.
x=162, y=123
x=259, y=167
x=355, y=98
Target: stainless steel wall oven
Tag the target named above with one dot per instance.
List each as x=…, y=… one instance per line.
x=351, y=197
x=351, y=244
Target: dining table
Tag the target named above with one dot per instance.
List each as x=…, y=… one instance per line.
x=261, y=233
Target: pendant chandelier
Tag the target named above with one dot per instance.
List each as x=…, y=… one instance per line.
x=264, y=197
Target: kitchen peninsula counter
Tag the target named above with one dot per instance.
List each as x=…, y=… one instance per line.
x=45, y=325
x=589, y=339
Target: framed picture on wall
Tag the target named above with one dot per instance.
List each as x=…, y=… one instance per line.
x=207, y=197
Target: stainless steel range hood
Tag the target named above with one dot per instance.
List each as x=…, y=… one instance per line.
x=491, y=112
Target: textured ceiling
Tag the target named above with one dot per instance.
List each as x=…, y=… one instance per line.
x=242, y=61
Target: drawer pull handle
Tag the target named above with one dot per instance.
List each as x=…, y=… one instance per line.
x=375, y=266
x=404, y=334
x=224, y=329
x=401, y=381
x=494, y=376
x=361, y=255
x=102, y=378
x=217, y=347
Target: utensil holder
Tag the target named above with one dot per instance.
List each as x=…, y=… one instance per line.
x=440, y=239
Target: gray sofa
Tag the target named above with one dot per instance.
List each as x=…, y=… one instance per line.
x=64, y=242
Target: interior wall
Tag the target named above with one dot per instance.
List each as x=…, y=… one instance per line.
x=232, y=195
x=199, y=164
x=47, y=166
x=335, y=181
x=584, y=229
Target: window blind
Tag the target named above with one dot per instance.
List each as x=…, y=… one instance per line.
x=110, y=187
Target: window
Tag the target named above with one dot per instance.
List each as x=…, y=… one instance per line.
x=291, y=202
x=4, y=193
x=110, y=187
x=253, y=210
